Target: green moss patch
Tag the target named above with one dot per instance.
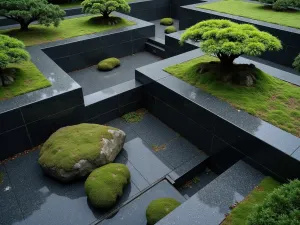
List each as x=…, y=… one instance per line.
x=68, y=28
x=108, y=64
x=166, y=21
x=27, y=78
x=134, y=117
x=159, y=208
x=255, y=11
x=271, y=99
x=170, y=29
x=240, y=213
x=105, y=184
x=70, y=144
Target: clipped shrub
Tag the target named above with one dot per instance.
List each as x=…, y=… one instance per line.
x=108, y=64
x=280, y=5
x=104, y=7
x=170, y=29
x=28, y=11
x=159, y=208
x=296, y=63
x=166, y=21
x=105, y=184
x=11, y=51
x=282, y=206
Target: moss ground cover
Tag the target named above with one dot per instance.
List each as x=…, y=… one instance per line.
x=271, y=99
x=105, y=184
x=28, y=78
x=255, y=11
x=68, y=28
x=240, y=213
x=134, y=117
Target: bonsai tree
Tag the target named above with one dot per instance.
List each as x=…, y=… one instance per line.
x=28, y=11
x=296, y=63
x=11, y=51
x=228, y=40
x=105, y=7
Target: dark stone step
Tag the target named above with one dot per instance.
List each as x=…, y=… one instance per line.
x=154, y=49
x=188, y=169
x=157, y=41
x=134, y=213
x=209, y=205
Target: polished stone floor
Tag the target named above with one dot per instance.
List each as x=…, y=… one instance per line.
x=91, y=80
x=152, y=150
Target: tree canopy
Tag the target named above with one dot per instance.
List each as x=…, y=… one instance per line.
x=105, y=7
x=228, y=40
x=28, y=11
x=11, y=51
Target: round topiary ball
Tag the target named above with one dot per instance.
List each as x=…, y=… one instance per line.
x=108, y=64
x=105, y=184
x=159, y=208
x=170, y=29
x=166, y=21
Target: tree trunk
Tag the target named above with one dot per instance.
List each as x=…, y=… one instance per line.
x=105, y=15
x=2, y=77
x=227, y=61
x=24, y=26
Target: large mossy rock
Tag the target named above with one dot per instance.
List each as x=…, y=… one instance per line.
x=159, y=208
x=75, y=151
x=105, y=185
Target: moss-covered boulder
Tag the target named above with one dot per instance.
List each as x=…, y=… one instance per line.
x=170, y=29
x=166, y=21
x=108, y=64
x=105, y=185
x=159, y=208
x=75, y=151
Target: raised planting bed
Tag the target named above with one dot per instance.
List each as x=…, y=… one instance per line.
x=271, y=99
x=214, y=125
x=27, y=78
x=255, y=10
x=241, y=210
x=191, y=14
x=68, y=28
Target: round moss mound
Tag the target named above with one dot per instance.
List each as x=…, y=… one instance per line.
x=105, y=184
x=170, y=29
x=108, y=64
x=166, y=21
x=159, y=208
